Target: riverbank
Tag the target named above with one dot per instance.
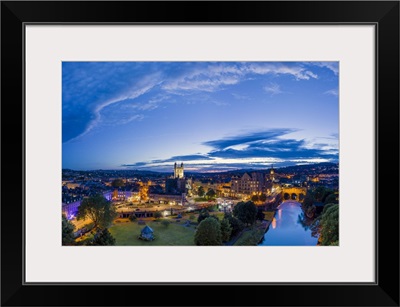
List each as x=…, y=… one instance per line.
x=253, y=235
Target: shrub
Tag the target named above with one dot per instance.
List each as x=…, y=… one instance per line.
x=157, y=214
x=165, y=223
x=203, y=215
x=133, y=218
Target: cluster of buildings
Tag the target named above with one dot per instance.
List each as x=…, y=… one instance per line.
x=173, y=189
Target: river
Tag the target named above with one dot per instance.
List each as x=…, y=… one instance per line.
x=286, y=229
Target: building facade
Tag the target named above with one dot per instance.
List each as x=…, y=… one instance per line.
x=177, y=183
x=178, y=171
x=246, y=184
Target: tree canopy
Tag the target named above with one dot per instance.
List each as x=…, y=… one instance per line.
x=321, y=193
x=331, y=199
x=329, y=225
x=157, y=214
x=117, y=183
x=208, y=232
x=260, y=215
x=246, y=212
x=68, y=237
x=226, y=230
x=98, y=209
x=236, y=224
x=203, y=215
x=211, y=194
x=308, y=206
x=263, y=197
x=103, y=237
x=201, y=191
x=255, y=198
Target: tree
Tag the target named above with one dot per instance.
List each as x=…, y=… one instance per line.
x=329, y=225
x=208, y=232
x=320, y=193
x=263, y=197
x=203, y=215
x=255, y=198
x=260, y=215
x=236, y=224
x=211, y=194
x=68, y=237
x=98, y=209
x=201, y=191
x=331, y=199
x=103, y=237
x=157, y=214
x=132, y=217
x=308, y=201
x=327, y=193
x=226, y=230
x=246, y=212
x=117, y=183
x=308, y=206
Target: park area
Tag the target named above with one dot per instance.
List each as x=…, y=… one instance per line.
x=176, y=233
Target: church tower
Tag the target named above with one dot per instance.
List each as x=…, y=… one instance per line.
x=272, y=174
x=178, y=171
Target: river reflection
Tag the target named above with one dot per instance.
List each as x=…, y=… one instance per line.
x=287, y=229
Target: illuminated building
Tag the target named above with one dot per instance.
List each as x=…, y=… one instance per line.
x=178, y=171
x=246, y=184
x=177, y=183
x=272, y=174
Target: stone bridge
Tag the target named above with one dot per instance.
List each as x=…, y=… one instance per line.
x=294, y=193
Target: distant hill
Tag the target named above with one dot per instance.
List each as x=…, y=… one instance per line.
x=317, y=167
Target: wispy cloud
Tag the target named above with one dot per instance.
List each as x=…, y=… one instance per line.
x=97, y=112
x=240, y=96
x=299, y=72
x=216, y=76
x=333, y=66
x=273, y=89
x=333, y=92
x=97, y=93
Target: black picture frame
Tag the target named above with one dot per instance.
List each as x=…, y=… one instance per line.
x=383, y=14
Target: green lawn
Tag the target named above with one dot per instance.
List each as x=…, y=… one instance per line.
x=251, y=236
x=269, y=215
x=175, y=234
x=219, y=215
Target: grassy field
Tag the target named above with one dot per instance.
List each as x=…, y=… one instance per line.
x=251, y=236
x=269, y=215
x=219, y=215
x=175, y=234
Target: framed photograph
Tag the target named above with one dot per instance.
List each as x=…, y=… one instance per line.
x=246, y=153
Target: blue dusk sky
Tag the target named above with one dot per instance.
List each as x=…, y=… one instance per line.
x=211, y=116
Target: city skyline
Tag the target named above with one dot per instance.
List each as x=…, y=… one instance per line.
x=212, y=116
